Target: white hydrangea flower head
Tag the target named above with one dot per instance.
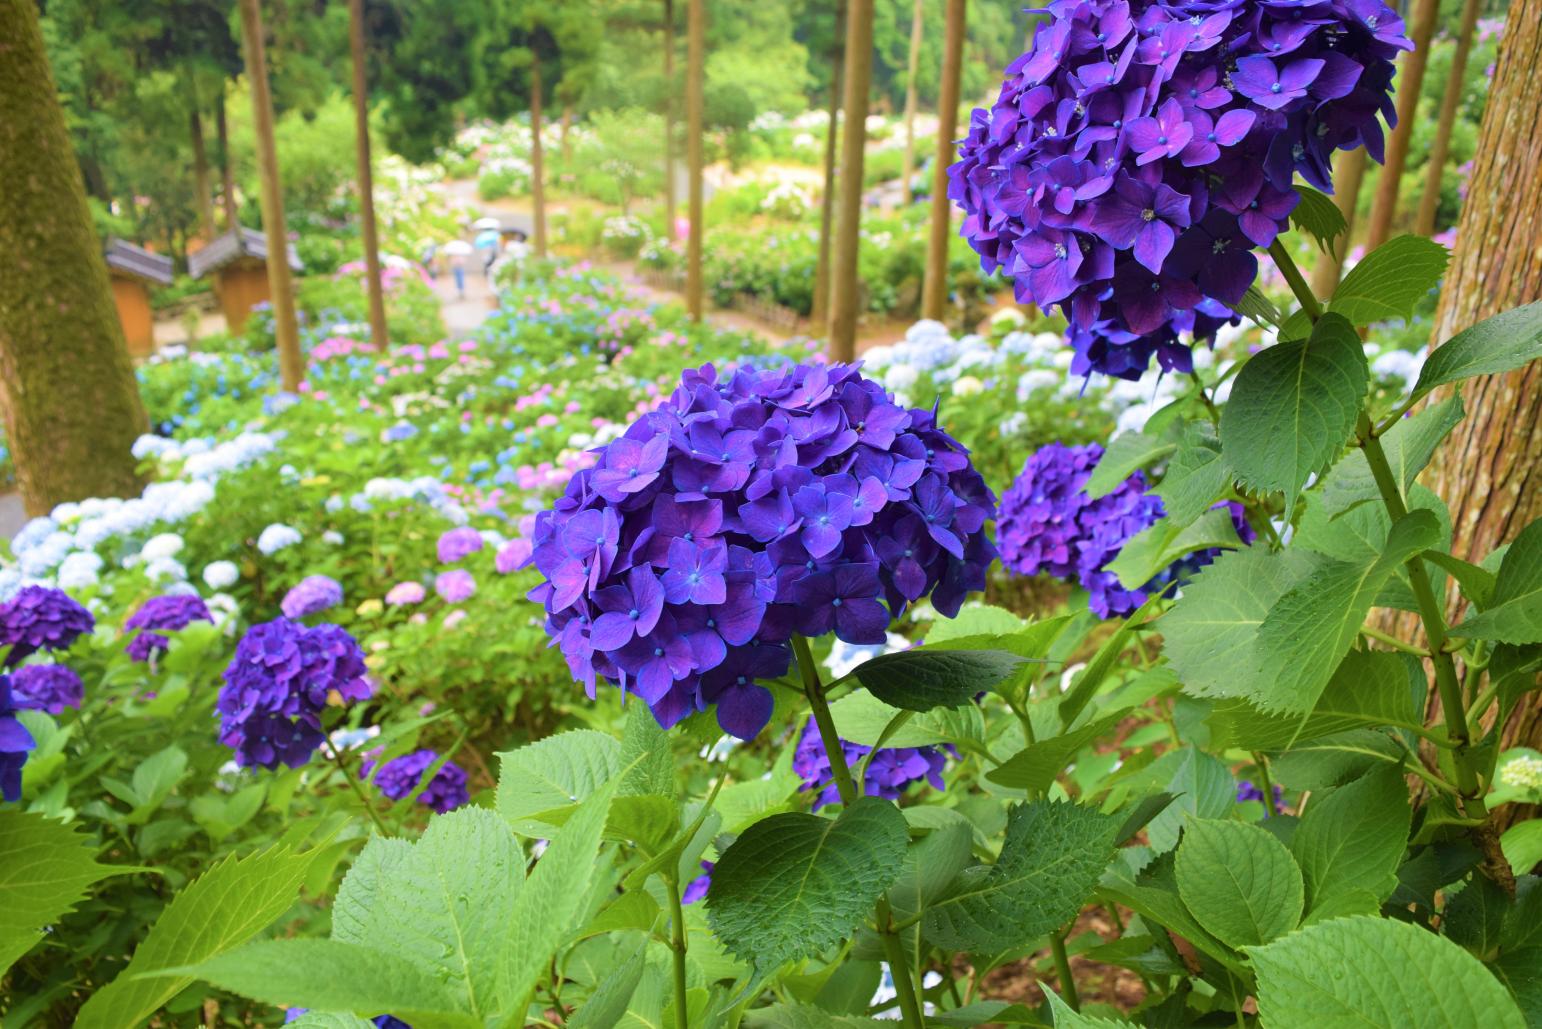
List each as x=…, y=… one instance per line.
x=218, y=575
x=277, y=537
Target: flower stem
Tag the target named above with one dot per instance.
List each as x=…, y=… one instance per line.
x=883, y=914
x=677, y=947
x=1392, y=641
x=1063, y=971
x=358, y=791
x=1293, y=276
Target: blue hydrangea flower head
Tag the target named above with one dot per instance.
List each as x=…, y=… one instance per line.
x=277, y=685
x=40, y=618
x=747, y=508
x=891, y=772
x=159, y=615
x=312, y=594
x=15, y=744
x=398, y=777
x=1141, y=149
x=50, y=688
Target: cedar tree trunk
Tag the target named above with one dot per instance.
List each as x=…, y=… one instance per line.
x=908, y=169
x=821, y=307
x=377, y=316
x=695, y=103
x=934, y=292
x=845, y=290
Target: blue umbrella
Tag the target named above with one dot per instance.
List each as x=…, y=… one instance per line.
x=487, y=239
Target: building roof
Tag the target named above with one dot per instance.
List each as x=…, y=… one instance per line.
x=232, y=246
x=123, y=256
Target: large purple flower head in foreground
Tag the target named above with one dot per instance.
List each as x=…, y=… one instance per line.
x=50, y=688
x=1141, y=149
x=745, y=509
x=15, y=744
x=39, y=618
x=891, y=772
x=169, y=612
x=1049, y=525
x=277, y=685
x=398, y=777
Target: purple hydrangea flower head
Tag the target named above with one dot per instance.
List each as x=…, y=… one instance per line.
x=749, y=507
x=697, y=888
x=1048, y=525
x=39, y=618
x=455, y=585
x=512, y=556
x=15, y=744
x=398, y=777
x=1141, y=147
x=458, y=543
x=311, y=594
x=891, y=772
x=50, y=688
x=165, y=613
x=1246, y=791
x=405, y=593
x=277, y=685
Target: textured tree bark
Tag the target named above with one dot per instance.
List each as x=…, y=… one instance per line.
x=67, y=389
x=934, y=291
x=845, y=292
x=537, y=159
x=377, y=316
x=695, y=103
x=227, y=168
x=1424, y=222
x=1409, y=81
x=1348, y=173
x=669, y=116
x=291, y=362
x=908, y=169
x=821, y=306
x=203, y=195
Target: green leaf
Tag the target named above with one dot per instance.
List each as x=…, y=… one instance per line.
x=926, y=678
x=1368, y=688
x=1409, y=445
x=328, y=975
x=1353, y=839
x=1505, y=342
x=1050, y=862
x=1309, y=629
x=1390, y=281
x=1036, y=766
x=861, y=718
x=539, y=785
x=793, y=884
x=45, y=868
x=1319, y=217
x=1239, y=881
x=1522, y=844
x=1514, y=614
x=1153, y=894
x=1258, y=307
x=1195, y=475
x=975, y=620
x=1475, y=917
x=1292, y=408
x=646, y=755
x=1211, y=634
x=1160, y=544
x=610, y=999
x=220, y=910
x=1065, y=1018
x=1477, y=583
x=1377, y=972
x=1125, y=453
x=1201, y=785
x=1102, y=664
x=329, y=1020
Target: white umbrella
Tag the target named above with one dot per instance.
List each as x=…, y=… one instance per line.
x=457, y=248
x=487, y=223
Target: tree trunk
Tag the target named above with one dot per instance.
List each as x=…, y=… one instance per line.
x=934, y=293
x=377, y=316
x=1348, y=173
x=227, y=167
x=821, y=307
x=1409, y=82
x=669, y=117
x=908, y=169
x=203, y=194
x=67, y=389
x=1424, y=223
x=845, y=290
x=537, y=160
x=1490, y=469
x=695, y=103
x=565, y=127
x=291, y=362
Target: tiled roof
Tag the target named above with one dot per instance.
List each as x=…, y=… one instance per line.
x=222, y=250
x=123, y=256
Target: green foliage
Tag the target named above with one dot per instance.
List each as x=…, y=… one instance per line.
x=1239, y=881
x=1513, y=613
x=1502, y=343
x=1350, y=843
x=1390, y=280
x=46, y=870
x=1319, y=216
x=920, y=680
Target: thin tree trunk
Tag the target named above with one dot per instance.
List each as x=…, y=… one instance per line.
x=377, y=315
x=917, y=19
x=1409, y=82
x=227, y=167
x=695, y=103
x=934, y=292
x=1424, y=223
x=564, y=141
x=67, y=389
x=291, y=362
x=537, y=160
x=1348, y=173
x=845, y=289
x=669, y=116
x=821, y=307
x=203, y=194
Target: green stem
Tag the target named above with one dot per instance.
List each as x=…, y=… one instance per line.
x=677, y=947
x=358, y=791
x=1262, y=764
x=1293, y=276
x=1392, y=641
x=883, y=914
x=1063, y=971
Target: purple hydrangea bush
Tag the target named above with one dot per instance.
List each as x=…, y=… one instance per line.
x=1141, y=149
x=1048, y=525
x=889, y=775
x=747, y=508
x=40, y=618
x=311, y=595
x=277, y=685
x=159, y=615
x=398, y=777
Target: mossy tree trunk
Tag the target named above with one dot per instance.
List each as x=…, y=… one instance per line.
x=934, y=290
x=376, y=288
x=695, y=104
x=67, y=389
x=227, y=166
x=203, y=193
x=537, y=158
x=908, y=169
x=845, y=288
x=1450, y=104
x=1409, y=83
x=821, y=306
